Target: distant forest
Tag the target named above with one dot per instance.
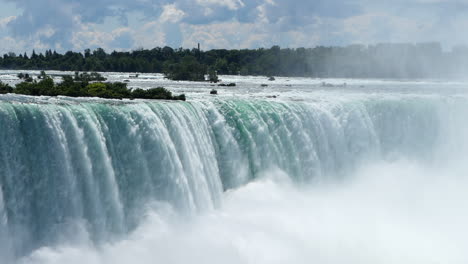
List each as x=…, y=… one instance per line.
x=424, y=60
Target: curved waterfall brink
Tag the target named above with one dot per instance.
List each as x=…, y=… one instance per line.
x=67, y=165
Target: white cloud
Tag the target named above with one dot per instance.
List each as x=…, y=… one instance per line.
x=4, y=21
x=78, y=24
x=150, y=35
x=247, y=35
x=231, y=4
x=10, y=44
x=171, y=14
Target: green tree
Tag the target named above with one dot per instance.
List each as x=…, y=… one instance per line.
x=98, y=90
x=5, y=88
x=189, y=69
x=213, y=76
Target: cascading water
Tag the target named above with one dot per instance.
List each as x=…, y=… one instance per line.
x=71, y=167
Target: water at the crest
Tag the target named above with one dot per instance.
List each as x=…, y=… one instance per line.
x=373, y=171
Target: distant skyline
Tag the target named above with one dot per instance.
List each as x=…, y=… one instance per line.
x=232, y=24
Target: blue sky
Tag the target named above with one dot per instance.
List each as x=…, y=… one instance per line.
x=133, y=24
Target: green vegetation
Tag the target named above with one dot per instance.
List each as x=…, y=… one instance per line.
x=25, y=77
x=354, y=61
x=188, y=69
x=88, y=77
x=81, y=86
x=5, y=88
x=156, y=93
x=213, y=76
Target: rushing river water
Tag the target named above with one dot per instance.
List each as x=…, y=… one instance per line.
x=366, y=171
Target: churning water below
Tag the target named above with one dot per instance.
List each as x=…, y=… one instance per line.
x=373, y=174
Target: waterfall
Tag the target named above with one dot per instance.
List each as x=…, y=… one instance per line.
x=67, y=165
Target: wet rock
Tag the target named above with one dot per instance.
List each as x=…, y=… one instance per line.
x=227, y=84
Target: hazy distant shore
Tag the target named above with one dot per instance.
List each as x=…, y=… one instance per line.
x=407, y=61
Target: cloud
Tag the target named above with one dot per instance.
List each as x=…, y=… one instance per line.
x=122, y=39
x=230, y=4
x=219, y=35
x=5, y=21
x=171, y=14
x=127, y=24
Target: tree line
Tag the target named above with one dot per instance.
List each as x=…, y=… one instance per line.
x=401, y=60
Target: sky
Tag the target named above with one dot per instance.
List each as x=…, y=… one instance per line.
x=231, y=24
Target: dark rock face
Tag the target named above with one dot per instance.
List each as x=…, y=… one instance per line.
x=227, y=84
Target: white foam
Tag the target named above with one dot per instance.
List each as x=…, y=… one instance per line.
x=397, y=212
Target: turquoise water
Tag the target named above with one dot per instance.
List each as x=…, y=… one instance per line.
x=73, y=166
